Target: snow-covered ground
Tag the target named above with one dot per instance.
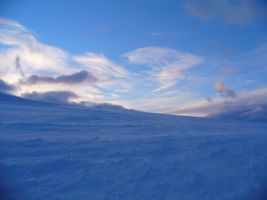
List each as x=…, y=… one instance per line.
x=61, y=152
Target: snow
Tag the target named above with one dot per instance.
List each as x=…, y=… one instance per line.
x=61, y=152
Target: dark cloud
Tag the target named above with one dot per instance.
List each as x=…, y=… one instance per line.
x=228, y=93
x=235, y=12
x=82, y=76
x=18, y=66
x=223, y=90
x=5, y=87
x=53, y=96
x=208, y=99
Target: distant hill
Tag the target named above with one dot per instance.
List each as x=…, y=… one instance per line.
x=11, y=99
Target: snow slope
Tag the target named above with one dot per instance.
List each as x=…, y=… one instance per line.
x=61, y=152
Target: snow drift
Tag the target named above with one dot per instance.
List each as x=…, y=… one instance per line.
x=57, y=151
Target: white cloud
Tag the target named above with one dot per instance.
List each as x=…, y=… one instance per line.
x=108, y=73
x=165, y=86
x=100, y=66
x=35, y=57
x=159, y=103
x=13, y=33
x=168, y=65
x=24, y=56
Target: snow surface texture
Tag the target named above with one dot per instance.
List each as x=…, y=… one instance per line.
x=61, y=152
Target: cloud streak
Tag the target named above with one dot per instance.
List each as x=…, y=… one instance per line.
x=234, y=12
x=168, y=65
x=101, y=67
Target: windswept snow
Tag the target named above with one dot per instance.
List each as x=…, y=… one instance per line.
x=61, y=152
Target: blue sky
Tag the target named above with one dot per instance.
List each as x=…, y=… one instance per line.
x=179, y=57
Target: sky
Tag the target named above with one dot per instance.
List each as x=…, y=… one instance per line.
x=193, y=58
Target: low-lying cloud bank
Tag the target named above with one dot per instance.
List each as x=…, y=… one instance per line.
x=246, y=105
x=249, y=112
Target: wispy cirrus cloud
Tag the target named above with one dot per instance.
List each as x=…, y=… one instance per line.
x=168, y=65
x=108, y=73
x=100, y=66
x=28, y=53
x=13, y=33
x=234, y=12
